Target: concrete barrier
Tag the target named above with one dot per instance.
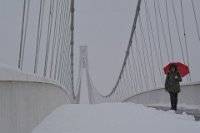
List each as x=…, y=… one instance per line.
x=25, y=100
x=189, y=95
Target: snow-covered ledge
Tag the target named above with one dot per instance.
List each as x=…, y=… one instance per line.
x=26, y=99
x=189, y=96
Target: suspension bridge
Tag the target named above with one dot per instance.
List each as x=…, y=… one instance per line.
x=41, y=76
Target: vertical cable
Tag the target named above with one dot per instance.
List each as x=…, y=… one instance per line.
x=59, y=42
x=72, y=44
x=158, y=39
x=23, y=33
x=54, y=37
x=48, y=35
x=163, y=31
x=140, y=61
x=127, y=79
x=151, y=50
x=66, y=64
x=195, y=17
x=168, y=24
x=61, y=61
x=144, y=59
x=39, y=33
x=153, y=38
x=131, y=75
x=177, y=28
x=136, y=70
x=144, y=40
x=183, y=22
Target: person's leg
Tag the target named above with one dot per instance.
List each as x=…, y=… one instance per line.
x=173, y=100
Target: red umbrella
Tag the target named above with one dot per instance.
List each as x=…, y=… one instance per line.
x=182, y=68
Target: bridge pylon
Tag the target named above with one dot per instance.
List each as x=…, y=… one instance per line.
x=84, y=73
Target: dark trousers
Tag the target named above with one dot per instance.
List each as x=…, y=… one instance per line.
x=174, y=100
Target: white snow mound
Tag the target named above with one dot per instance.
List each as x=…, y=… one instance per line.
x=116, y=118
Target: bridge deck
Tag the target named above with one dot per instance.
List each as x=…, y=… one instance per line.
x=180, y=110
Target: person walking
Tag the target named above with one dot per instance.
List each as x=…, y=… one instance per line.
x=172, y=85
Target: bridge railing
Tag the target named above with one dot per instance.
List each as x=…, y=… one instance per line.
x=189, y=96
x=26, y=99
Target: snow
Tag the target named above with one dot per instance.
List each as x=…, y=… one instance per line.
x=180, y=105
x=116, y=118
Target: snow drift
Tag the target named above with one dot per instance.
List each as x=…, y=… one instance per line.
x=116, y=118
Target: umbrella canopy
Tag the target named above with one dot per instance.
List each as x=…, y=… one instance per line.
x=182, y=68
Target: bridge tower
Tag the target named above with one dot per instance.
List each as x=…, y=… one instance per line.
x=83, y=77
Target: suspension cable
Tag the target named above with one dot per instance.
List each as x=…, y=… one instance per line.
x=163, y=31
x=144, y=40
x=128, y=48
x=54, y=37
x=153, y=38
x=48, y=35
x=177, y=28
x=130, y=75
x=140, y=60
x=62, y=55
x=129, y=85
x=39, y=34
x=186, y=45
x=23, y=33
x=59, y=42
x=136, y=69
x=68, y=45
x=145, y=66
x=72, y=43
x=151, y=50
x=168, y=26
x=158, y=39
x=195, y=17
x=132, y=78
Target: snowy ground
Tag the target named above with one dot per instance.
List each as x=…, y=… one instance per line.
x=179, y=105
x=116, y=118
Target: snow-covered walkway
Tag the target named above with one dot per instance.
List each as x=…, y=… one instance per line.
x=116, y=118
x=191, y=111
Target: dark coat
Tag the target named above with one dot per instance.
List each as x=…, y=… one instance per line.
x=171, y=83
